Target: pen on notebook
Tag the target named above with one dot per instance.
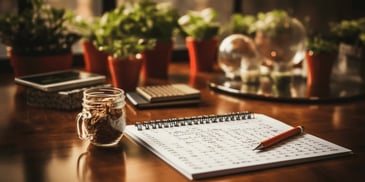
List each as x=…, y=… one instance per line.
x=280, y=137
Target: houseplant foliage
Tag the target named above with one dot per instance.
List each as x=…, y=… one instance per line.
x=349, y=31
x=200, y=25
x=161, y=25
x=351, y=37
x=41, y=30
x=119, y=34
x=95, y=60
x=201, y=31
x=39, y=39
x=241, y=24
x=159, y=19
x=321, y=44
x=320, y=57
x=147, y=20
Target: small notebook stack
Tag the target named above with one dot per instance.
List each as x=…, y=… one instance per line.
x=60, y=89
x=164, y=95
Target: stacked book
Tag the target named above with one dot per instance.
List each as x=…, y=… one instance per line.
x=164, y=95
x=59, y=90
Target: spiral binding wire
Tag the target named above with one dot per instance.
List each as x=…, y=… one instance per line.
x=194, y=120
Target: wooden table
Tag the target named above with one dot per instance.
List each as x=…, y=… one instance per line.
x=39, y=144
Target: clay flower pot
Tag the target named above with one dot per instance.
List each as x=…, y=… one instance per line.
x=157, y=60
x=26, y=65
x=125, y=73
x=202, y=54
x=95, y=61
x=319, y=67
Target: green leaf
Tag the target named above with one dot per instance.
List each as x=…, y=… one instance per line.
x=200, y=25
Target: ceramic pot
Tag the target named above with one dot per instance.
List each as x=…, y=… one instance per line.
x=319, y=67
x=125, y=73
x=157, y=60
x=202, y=54
x=95, y=60
x=26, y=65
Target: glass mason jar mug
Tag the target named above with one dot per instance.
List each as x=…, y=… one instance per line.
x=103, y=118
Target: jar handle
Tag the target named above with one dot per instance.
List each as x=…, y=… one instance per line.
x=81, y=129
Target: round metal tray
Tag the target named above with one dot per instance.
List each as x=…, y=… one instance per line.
x=297, y=90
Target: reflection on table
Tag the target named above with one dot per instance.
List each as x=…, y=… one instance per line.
x=295, y=89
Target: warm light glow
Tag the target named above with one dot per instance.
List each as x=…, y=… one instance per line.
x=273, y=53
x=139, y=56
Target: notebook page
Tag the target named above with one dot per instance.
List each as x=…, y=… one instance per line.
x=213, y=149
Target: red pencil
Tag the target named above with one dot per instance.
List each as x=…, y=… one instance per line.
x=280, y=137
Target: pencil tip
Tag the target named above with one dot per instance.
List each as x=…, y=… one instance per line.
x=259, y=147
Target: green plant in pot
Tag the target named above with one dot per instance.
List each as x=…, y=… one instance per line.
x=201, y=31
x=351, y=37
x=38, y=38
x=241, y=24
x=159, y=22
x=94, y=59
x=119, y=36
x=320, y=56
x=349, y=31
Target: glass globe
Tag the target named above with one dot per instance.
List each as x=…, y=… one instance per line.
x=281, y=40
x=235, y=50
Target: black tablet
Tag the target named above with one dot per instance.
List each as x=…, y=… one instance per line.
x=60, y=80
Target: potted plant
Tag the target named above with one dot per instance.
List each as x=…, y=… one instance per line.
x=38, y=38
x=350, y=32
x=320, y=56
x=160, y=21
x=95, y=60
x=119, y=36
x=241, y=24
x=201, y=33
x=351, y=37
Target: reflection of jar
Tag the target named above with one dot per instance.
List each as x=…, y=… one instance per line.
x=102, y=120
x=94, y=164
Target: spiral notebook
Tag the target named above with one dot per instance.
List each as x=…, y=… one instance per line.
x=208, y=146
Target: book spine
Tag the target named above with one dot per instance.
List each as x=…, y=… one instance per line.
x=194, y=120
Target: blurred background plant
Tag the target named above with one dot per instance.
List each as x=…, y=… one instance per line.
x=39, y=30
x=349, y=31
x=200, y=25
x=321, y=44
x=120, y=32
x=241, y=24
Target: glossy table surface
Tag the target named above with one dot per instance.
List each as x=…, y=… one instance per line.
x=38, y=144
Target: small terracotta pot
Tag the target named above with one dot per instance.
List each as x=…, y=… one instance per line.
x=319, y=67
x=202, y=54
x=26, y=65
x=157, y=60
x=125, y=73
x=95, y=61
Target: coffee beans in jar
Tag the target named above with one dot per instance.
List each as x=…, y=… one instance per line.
x=102, y=120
